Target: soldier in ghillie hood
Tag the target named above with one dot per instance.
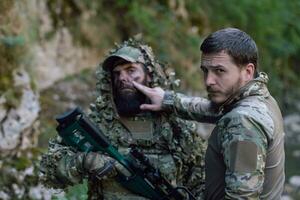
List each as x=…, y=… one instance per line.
x=171, y=144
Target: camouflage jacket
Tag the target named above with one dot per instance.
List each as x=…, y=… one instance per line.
x=171, y=144
x=245, y=154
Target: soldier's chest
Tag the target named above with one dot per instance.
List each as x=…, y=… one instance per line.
x=149, y=136
x=141, y=132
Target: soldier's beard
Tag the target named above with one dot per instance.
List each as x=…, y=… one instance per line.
x=218, y=97
x=128, y=101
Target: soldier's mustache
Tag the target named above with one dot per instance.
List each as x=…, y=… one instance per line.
x=211, y=90
x=122, y=86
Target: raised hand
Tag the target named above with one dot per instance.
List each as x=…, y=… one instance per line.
x=156, y=96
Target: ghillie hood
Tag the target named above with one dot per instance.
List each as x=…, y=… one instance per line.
x=132, y=51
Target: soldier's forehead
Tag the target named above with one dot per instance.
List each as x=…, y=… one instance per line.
x=214, y=59
x=126, y=65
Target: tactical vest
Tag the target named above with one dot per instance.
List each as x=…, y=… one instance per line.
x=149, y=134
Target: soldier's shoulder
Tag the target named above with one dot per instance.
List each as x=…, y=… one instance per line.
x=251, y=115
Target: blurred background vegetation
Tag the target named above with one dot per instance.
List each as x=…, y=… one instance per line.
x=173, y=28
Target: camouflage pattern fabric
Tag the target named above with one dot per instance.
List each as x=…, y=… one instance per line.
x=245, y=154
x=171, y=144
x=195, y=108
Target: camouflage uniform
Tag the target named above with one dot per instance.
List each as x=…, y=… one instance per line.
x=172, y=144
x=245, y=154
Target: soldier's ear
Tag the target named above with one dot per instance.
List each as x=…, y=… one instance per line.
x=250, y=70
x=247, y=72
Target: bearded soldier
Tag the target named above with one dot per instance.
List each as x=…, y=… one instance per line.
x=171, y=144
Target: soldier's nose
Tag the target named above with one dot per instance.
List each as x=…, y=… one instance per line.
x=123, y=76
x=209, y=79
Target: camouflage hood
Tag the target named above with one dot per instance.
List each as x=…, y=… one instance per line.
x=132, y=51
x=256, y=86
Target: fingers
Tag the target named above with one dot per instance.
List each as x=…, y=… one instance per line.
x=154, y=94
x=145, y=90
x=151, y=107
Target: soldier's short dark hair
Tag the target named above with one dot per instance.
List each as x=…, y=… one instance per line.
x=238, y=44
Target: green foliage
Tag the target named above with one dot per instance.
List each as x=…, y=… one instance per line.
x=21, y=163
x=174, y=29
x=12, y=51
x=77, y=192
x=293, y=165
x=87, y=21
x=11, y=41
x=5, y=6
x=168, y=33
x=97, y=24
x=274, y=26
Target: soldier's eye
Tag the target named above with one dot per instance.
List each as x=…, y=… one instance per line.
x=131, y=70
x=204, y=70
x=116, y=73
x=219, y=71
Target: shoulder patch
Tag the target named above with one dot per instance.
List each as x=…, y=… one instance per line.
x=243, y=156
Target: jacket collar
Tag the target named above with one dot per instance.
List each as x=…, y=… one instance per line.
x=255, y=87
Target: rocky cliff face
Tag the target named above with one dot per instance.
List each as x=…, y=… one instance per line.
x=58, y=56
x=19, y=125
x=43, y=62
x=18, y=141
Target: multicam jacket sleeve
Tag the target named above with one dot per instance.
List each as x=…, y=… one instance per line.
x=62, y=166
x=244, y=147
x=190, y=108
